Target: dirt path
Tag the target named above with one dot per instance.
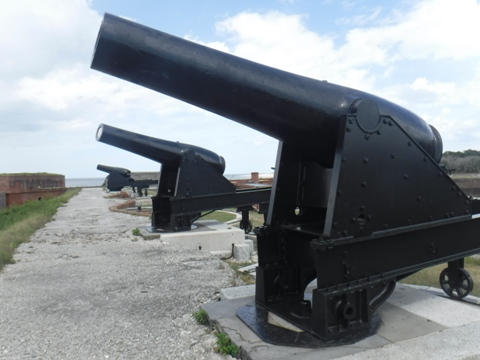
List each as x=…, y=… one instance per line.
x=86, y=288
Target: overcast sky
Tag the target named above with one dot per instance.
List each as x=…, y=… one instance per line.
x=423, y=55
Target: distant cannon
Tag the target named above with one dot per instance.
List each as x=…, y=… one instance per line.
x=358, y=198
x=118, y=178
x=191, y=180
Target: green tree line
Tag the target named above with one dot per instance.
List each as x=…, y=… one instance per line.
x=467, y=161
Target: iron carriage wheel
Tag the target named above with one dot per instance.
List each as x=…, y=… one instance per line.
x=456, y=283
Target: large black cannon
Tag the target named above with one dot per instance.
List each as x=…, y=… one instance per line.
x=358, y=199
x=191, y=180
x=118, y=178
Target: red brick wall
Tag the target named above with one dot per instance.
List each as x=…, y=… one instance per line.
x=20, y=188
x=19, y=198
x=15, y=183
x=252, y=182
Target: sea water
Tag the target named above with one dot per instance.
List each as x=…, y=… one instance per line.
x=84, y=182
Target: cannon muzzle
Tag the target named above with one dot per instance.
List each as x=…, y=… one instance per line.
x=110, y=169
x=301, y=112
x=163, y=151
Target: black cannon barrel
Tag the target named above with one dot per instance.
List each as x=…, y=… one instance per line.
x=162, y=151
x=112, y=169
x=297, y=110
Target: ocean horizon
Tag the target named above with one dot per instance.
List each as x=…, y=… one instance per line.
x=84, y=182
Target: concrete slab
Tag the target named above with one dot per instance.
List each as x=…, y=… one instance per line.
x=207, y=235
x=416, y=323
x=434, y=308
x=394, y=320
x=241, y=252
x=250, y=245
x=147, y=235
x=237, y=292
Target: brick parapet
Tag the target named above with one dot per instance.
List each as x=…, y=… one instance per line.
x=19, y=198
x=19, y=188
x=17, y=183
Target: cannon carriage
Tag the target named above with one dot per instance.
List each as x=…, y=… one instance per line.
x=358, y=200
x=191, y=181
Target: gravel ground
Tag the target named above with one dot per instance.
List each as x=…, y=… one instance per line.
x=85, y=288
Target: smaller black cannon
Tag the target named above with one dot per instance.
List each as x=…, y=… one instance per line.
x=118, y=178
x=191, y=181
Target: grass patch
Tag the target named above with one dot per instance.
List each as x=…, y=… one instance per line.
x=201, y=316
x=430, y=276
x=136, y=232
x=238, y=265
x=225, y=345
x=221, y=216
x=247, y=278
x=256, y=219
x=19, y=222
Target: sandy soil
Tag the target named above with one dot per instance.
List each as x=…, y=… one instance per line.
x=85, y=288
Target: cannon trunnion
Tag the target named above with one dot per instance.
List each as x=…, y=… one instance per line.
x=358, y=200
x=191, y=180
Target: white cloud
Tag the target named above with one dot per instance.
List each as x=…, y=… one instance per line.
x=62, y=88
x=435, y=91
x=39, y=34
x=442, y=29
x=46, y=49
x=370, y=15
x=283, y=41
x=49, y=95
x=433, y=28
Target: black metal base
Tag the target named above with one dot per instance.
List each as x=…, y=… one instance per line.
x=256, y=318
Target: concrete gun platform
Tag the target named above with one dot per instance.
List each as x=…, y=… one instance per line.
x=416, y=323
